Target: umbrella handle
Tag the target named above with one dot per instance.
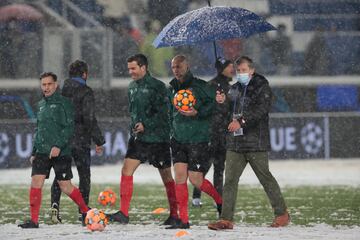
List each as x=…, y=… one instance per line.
x=215, y=52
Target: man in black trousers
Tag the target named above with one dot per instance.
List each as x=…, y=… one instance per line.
x=86, y=130
x=220, y=84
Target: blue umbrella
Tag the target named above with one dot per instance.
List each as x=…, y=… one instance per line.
x=209, y=24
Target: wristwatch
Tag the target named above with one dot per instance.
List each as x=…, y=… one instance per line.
x=242, y=121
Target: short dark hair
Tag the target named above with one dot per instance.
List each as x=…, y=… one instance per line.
x=78, y=68
x=141, y=59
x=245, y=59
x=48, y=74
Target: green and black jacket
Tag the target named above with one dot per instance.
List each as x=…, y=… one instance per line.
x=55, y=125
x=149, y=104
x=194, y=129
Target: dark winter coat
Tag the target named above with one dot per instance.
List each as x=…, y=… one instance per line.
x=194, y=129
x=86, y=126
x=255, y=112
x=54, y=125
x=220, y=122
x=149, y=104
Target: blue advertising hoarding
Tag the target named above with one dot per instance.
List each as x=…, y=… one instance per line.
x=292, y=136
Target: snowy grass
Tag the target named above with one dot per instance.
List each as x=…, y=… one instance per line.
x=323, y=199
x=308, y=205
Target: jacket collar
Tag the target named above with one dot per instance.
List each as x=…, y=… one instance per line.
x=53, y=97
x=146, y=77
x=188, y=78
x=254, y=81
x=79, y=80
x=220, y=78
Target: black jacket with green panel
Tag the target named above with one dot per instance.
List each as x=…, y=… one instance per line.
x=220, y=122
x=54, y=125
x=149, y=104
x=195, y=129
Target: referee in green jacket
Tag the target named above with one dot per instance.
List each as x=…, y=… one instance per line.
x=54, y=128
x=150, y=136
x=190, y=138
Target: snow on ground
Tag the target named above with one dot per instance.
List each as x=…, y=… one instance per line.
x=288, y=173
x=145, y=232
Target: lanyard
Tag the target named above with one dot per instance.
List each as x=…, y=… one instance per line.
x=242, y=100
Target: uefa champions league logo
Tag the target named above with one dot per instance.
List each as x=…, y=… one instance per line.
x=4, y=146
x=312, y=138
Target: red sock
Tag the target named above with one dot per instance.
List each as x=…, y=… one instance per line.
x=126, y=191
x=76, y=196
x=35, y=202
x=171, y=195
x=208, y=188
x=182, y=196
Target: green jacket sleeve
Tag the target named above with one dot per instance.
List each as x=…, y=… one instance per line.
x=34, y=147
x=171, y=109
x=135, y=118
x=34, y=137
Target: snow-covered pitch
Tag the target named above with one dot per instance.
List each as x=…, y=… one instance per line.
x=288, y=173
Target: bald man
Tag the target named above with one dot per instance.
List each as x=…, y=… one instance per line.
x=190, y=138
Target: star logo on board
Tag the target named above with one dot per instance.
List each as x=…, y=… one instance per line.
x=312, y=138
x=4, y=147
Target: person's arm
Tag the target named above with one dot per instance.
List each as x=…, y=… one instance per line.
x=33, y=152
x=97, y=137
x=96, y=134
x=170, y=109
x=253, y=114
x=89, y=119
x=36, y=128
x=34, y=138
x=222, y=101
x=132, y=103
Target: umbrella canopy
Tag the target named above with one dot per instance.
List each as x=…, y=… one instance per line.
x=209, y=24
x=19, y=12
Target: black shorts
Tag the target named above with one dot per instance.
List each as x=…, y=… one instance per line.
x=157, y=154
x=196, y=155
x=62, y=166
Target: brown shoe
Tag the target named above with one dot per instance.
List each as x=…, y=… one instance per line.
x=281, y=221
x=221, y=225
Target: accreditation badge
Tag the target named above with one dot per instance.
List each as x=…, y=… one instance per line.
x=239, y=132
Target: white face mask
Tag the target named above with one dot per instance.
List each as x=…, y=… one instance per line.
x=243, y=78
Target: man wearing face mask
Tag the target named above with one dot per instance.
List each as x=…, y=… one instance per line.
x=248, y=142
